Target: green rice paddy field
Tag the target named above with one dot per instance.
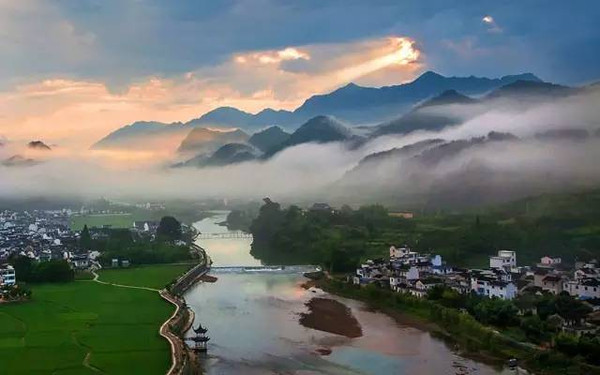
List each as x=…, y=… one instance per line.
x=84, y=327
x=154, y=276
x=98, y=220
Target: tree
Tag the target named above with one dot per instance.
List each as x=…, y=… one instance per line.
x=169, y=228
x=571, y=309
x=533, y=327
x=53, y=271
x=23, y=267
x=496, y=311
x=85, y=240
x=567, y=343
x=525, y=303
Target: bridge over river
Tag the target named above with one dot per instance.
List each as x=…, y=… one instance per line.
x=263, y=269
x=223, y=235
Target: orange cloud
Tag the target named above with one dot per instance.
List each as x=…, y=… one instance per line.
x=273, y=57
x=78, y=112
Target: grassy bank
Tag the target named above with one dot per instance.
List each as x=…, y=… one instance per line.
x=83, y=326
x=461, y=329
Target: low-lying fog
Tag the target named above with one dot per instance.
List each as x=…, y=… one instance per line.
x=320, y=171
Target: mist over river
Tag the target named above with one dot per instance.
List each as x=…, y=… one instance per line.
x=253, y=321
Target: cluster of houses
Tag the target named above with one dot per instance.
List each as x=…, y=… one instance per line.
x=583, y=282
x=145, y=227
x=47, y=235
x=412, y=272
x=40, y=235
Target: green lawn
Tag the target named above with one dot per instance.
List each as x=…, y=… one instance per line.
x=150, y=276
x=115, y=220
x=115, y=328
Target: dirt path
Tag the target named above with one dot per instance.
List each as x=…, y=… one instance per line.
x=96, y=276
x=177, y=346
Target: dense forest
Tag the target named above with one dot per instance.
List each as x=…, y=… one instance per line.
x=566, y=225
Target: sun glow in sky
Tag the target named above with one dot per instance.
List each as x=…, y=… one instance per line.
x=77, y=113
x=399, y=51
x=73, y=71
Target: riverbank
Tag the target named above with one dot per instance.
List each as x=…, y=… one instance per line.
x=460, y=330
x=174, y=329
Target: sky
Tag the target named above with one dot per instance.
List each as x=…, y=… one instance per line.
x=72, y=71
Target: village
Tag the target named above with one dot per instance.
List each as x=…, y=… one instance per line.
x=45, y=236
x=413, y=273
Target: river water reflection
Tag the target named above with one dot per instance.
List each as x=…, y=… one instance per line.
x=252, y=317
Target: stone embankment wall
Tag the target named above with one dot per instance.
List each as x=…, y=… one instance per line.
x=174, y=328
x=188, y=279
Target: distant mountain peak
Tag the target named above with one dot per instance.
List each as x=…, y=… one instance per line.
x=18, y=161
x=447, y=97
x=38, y=145
x=429, y=76
x=535, y=89
x=521, y=77
x=351, y=86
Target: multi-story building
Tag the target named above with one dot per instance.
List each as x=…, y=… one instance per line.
x=552, y=283
x=8, y=276
x=488, y=287
x=505, y=259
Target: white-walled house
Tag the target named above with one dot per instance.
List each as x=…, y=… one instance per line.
x=398, y=252
x=493, y=288
x=420, y=288
x=586, y=273
x=505, y=259
x=583, y=288
x=7, y=275
x=407, y=273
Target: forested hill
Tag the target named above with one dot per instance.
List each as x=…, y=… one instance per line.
x=566, y=225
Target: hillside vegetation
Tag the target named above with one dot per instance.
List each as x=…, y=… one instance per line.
x=567, y=225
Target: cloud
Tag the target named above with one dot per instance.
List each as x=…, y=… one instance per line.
x=272, y=57
x=77, y=113
x=168, y=39
x=310, y=171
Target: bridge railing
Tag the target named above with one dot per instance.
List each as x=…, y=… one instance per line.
x=226, y=235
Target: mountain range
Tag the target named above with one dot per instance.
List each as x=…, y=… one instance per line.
x=351, y=104
x=446, y=109
x=422, y=170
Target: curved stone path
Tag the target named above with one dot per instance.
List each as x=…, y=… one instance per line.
x=177, y=345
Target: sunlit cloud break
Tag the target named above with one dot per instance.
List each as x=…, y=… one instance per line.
x=402, y=52
x=82, y=111
x=273, y=57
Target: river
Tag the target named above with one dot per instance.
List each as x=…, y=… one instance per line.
x=253, y=322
